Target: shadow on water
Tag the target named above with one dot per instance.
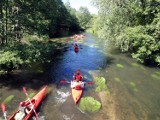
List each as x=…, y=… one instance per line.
x=36, y=74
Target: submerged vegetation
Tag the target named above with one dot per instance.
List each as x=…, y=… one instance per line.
x=119, y=65
x=8, y=99
x=101, y=85
x=89, y=104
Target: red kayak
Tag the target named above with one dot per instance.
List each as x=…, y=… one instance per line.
x=77, y=89
x=31, y=105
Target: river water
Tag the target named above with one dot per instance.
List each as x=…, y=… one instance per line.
x=134, y=88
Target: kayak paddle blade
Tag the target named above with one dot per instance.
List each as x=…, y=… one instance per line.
x=3, y=107
x=24, y=90
x=90, y=82
x=64, y=82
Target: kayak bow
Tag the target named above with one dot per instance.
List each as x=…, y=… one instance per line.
x=76, y=94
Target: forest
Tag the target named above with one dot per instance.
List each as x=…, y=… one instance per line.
x=26, y=26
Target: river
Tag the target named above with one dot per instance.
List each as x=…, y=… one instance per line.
x=134, y=88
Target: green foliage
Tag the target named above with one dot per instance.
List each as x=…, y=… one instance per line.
x=133, y=26
x=84, y=17
x=9, y=60
x=34, y=51
x=144, y=46
x=89, y=104
x=81, y=18
x=34, y=17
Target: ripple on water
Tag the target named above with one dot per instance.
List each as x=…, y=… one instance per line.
x=62, y=96
x=65, y=117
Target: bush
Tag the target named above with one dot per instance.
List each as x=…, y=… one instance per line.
x=9, y=60
x=144, y=47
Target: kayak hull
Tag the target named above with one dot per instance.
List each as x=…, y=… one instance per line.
x=76, y=94
x=36, y=100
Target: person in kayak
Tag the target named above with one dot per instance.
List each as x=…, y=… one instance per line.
x=77, y=82
x=22, y=111
x=77, y=85
x=78, y=76
x=75, y=47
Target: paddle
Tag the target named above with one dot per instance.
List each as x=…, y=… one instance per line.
x=65, y=81
x=4, y=110
x=25, y=91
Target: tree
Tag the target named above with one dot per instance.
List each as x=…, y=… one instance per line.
x=132, y=26
x=84, y=17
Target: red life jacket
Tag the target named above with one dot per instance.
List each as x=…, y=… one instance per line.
x=78, y=77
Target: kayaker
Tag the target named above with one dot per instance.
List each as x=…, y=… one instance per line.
x=78, y=76
x=77, y=85
x=20, y=115
x=76, y=47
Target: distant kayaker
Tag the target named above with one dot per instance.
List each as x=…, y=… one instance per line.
x=76, y=47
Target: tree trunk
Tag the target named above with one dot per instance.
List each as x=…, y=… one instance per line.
x=2, y=22
x=6, y=31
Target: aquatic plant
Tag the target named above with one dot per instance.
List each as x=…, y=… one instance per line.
x=89, y=104
x=119, y=65
x=8, y=99
x=101, y=84
x=132, y=84
x=117, y=79
x=157, y=73
x=31, y=95
x=135, y=64
x=155, y=76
